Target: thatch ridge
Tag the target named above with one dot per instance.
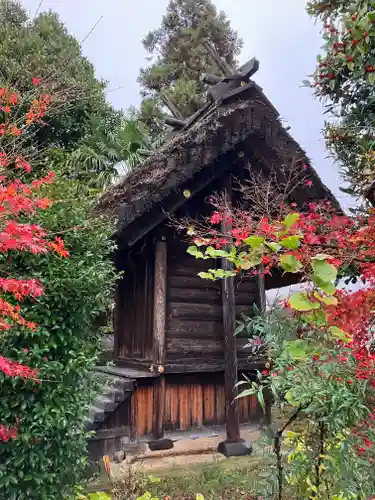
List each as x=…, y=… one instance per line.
x=220, y=131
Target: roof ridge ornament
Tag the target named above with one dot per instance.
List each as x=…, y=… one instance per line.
x=222, y=89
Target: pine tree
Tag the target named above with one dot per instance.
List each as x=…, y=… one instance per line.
x=179, y=56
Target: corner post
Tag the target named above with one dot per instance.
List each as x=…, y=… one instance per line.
x=233, y=445
x=262, y=305
x=261, y=290
x=159, y=326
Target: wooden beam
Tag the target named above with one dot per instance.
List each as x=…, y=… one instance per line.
x=220, y=63
x=159, y=326
x=158, y=408
x=177, y=199
x=175, y=123
x=171, y=106
x=160, y=301
x=262, y=305
x=230, y=350
x=261, y=290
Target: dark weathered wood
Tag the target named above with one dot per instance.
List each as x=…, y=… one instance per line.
x=110, y=433
x=142, y=226
x=194, y=311
x=210, y=365
x=158, y=410
x=137, y=364
x=230, y=350
x=192, y=282
x=194, y=295
x=174, y=122
x=159, y=330
x=261, y=289
x=160, y=301
x=220, y=63
x=172, y=107
x=134, y=305
x=194, y=346
x=194, y=329
x=278, y=279
x=187, y=266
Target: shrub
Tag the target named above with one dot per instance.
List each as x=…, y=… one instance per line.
x=46, y=457
x=321, y=365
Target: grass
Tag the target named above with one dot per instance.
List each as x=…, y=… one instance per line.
x=233, y=479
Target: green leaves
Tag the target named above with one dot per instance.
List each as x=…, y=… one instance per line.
x=291, y=242
x=300, y=301
x=254, y=241
x=98, y=496
x=275, y=247
x=297, y=349
x=339, y=334
x=209, y=253
x=290, y=264
x=327, y=300
x=324, y=271
x=193, y=250
x=78, y=289
x=291, y=219
x=289, y=396
x=327, y=287
x=214, y=274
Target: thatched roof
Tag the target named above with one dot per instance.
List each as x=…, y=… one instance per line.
x=249, y=117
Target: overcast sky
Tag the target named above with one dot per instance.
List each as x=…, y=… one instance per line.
x=279, y=33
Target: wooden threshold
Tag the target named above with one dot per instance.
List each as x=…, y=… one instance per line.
x=126, y=371
x=201, y=366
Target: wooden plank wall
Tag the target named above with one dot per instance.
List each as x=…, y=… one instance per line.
x=194, y=319
x=192, y=402
x=194, y=307
x=134, y=306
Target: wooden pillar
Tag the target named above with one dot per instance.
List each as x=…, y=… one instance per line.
x=159, y=325
x=261, y=290
x=262, y=304
x=230, y=350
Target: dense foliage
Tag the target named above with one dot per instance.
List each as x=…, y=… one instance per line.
x=179, y=57
x=17, y=198
x=344, y=79
x=41, y=47
x=109, y=153
x=321, y=351
x=55, y=335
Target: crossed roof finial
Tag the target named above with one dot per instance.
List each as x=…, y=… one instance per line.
x=221, y=88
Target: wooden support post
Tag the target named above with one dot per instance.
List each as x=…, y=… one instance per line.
x=159, y=325
x=261, y=290
x=262, y=305
x=230, y=350
x=233, y=445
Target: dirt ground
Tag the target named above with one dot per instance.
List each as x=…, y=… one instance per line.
x=186, y=451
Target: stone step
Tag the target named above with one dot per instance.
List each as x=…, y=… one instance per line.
x=114, y=394
x=97, y=414
x=105, y=403
x=90, y=425
x=109, y=380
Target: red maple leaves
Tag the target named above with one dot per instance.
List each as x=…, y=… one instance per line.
x=316, y=232
x=19, y=199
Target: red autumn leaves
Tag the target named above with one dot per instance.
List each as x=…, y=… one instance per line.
x=18, y=199
x=9, y=100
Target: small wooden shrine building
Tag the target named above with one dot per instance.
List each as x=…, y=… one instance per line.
x=167, y=316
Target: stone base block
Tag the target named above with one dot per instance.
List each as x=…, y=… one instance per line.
x=160, y=444
x=235, y=448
